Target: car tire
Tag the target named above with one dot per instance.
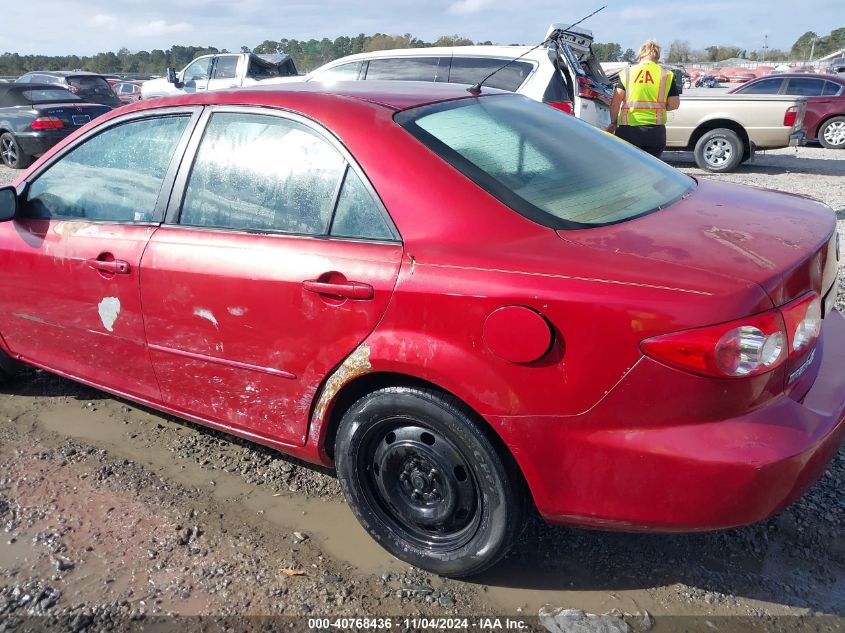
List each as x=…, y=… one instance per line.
x=426, y=482
x=832, y=133
x=11, y=153
x=719, y=151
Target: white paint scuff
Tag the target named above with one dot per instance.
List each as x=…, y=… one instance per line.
x=109, y=309
x=208, y=315
x=237, y=311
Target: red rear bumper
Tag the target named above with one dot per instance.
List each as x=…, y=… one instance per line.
x=676, y=468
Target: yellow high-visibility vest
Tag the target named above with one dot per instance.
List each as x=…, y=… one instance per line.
x=646, y=86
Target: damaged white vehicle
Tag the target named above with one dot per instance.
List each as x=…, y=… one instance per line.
x=221, y=72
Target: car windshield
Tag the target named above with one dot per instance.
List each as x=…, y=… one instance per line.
x=546, y=165
x=49, y=95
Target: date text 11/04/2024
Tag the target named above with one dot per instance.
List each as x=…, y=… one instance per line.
x=417, y=623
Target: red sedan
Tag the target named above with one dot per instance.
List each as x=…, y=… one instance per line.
x=467, y=304
x=824, y=119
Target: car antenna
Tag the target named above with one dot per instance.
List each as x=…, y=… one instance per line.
x=476, y=89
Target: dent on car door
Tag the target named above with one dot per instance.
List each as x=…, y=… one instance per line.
x=276, y=265
x=69, y=294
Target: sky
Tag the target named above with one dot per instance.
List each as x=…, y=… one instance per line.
x=84, y=27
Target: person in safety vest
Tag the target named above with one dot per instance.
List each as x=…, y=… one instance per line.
x=639, y=108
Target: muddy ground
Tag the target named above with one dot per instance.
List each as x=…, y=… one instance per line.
x=112, y=514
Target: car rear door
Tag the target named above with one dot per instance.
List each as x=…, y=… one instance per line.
x=275, y=263
x=224, y=73
x=69, y=264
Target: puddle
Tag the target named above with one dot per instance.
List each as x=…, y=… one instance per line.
x=330, y=523
x=512, y=585
x=20, y=554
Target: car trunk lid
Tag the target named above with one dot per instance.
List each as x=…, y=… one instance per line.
x=784, y=243
x=72, y=115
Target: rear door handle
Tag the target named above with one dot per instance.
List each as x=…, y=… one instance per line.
x=348, y=289
x=115, y=267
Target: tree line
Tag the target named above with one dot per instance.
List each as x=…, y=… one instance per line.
x=307, y=54
x=312, y=53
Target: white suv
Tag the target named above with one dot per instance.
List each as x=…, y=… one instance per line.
x=546, y=74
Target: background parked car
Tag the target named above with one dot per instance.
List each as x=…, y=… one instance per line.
x=35, y=117
x=837, y=66
x=127, y=91
x=221, y=72
x=566, y=75
x=87, y=86
x=824, y=119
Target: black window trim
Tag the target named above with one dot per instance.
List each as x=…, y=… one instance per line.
x=179, y=188
x=192, y=112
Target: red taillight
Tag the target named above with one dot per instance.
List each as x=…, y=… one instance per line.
x=563, y=106
x=47, y=123
x=586, y=89
x=803, y=319
x=790, y=116
x=745, y=347
x=742, y=348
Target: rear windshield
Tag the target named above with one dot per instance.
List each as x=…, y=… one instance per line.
x=87, y=83
x=50, y=95
x=546, y=165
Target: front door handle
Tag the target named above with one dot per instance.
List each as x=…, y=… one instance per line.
x=115, y=267
x=347, y=289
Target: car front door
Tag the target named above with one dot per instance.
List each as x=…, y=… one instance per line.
x=69, y=264
x=275, y=263
x=195, y=75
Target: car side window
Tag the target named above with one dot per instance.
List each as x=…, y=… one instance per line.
x=805, y=86
x=831, y=89
x=344, y=72
x=264, y=173
x=470, y=70
x=115, y=176
x=24, y=80
x=226, y=67
x=764, y=87
x=406, y=69
x=198, y=70
x=357, y=214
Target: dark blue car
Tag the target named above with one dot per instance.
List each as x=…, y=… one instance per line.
x=34, y=117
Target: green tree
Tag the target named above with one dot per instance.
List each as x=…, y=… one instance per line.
x=679, y=52
x=610, y=52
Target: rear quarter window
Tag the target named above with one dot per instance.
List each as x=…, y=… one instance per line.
x=406, y=69
x=471, y=70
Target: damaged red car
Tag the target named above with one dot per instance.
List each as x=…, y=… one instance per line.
x=468, y=304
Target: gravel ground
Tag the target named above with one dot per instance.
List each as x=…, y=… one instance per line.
x=113, y=514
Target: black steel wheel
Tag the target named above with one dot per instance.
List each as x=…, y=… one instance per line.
x=427, y=482
x=11, y=153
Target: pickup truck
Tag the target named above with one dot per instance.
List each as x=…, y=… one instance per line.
x=724, y=130
x=222, y=71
